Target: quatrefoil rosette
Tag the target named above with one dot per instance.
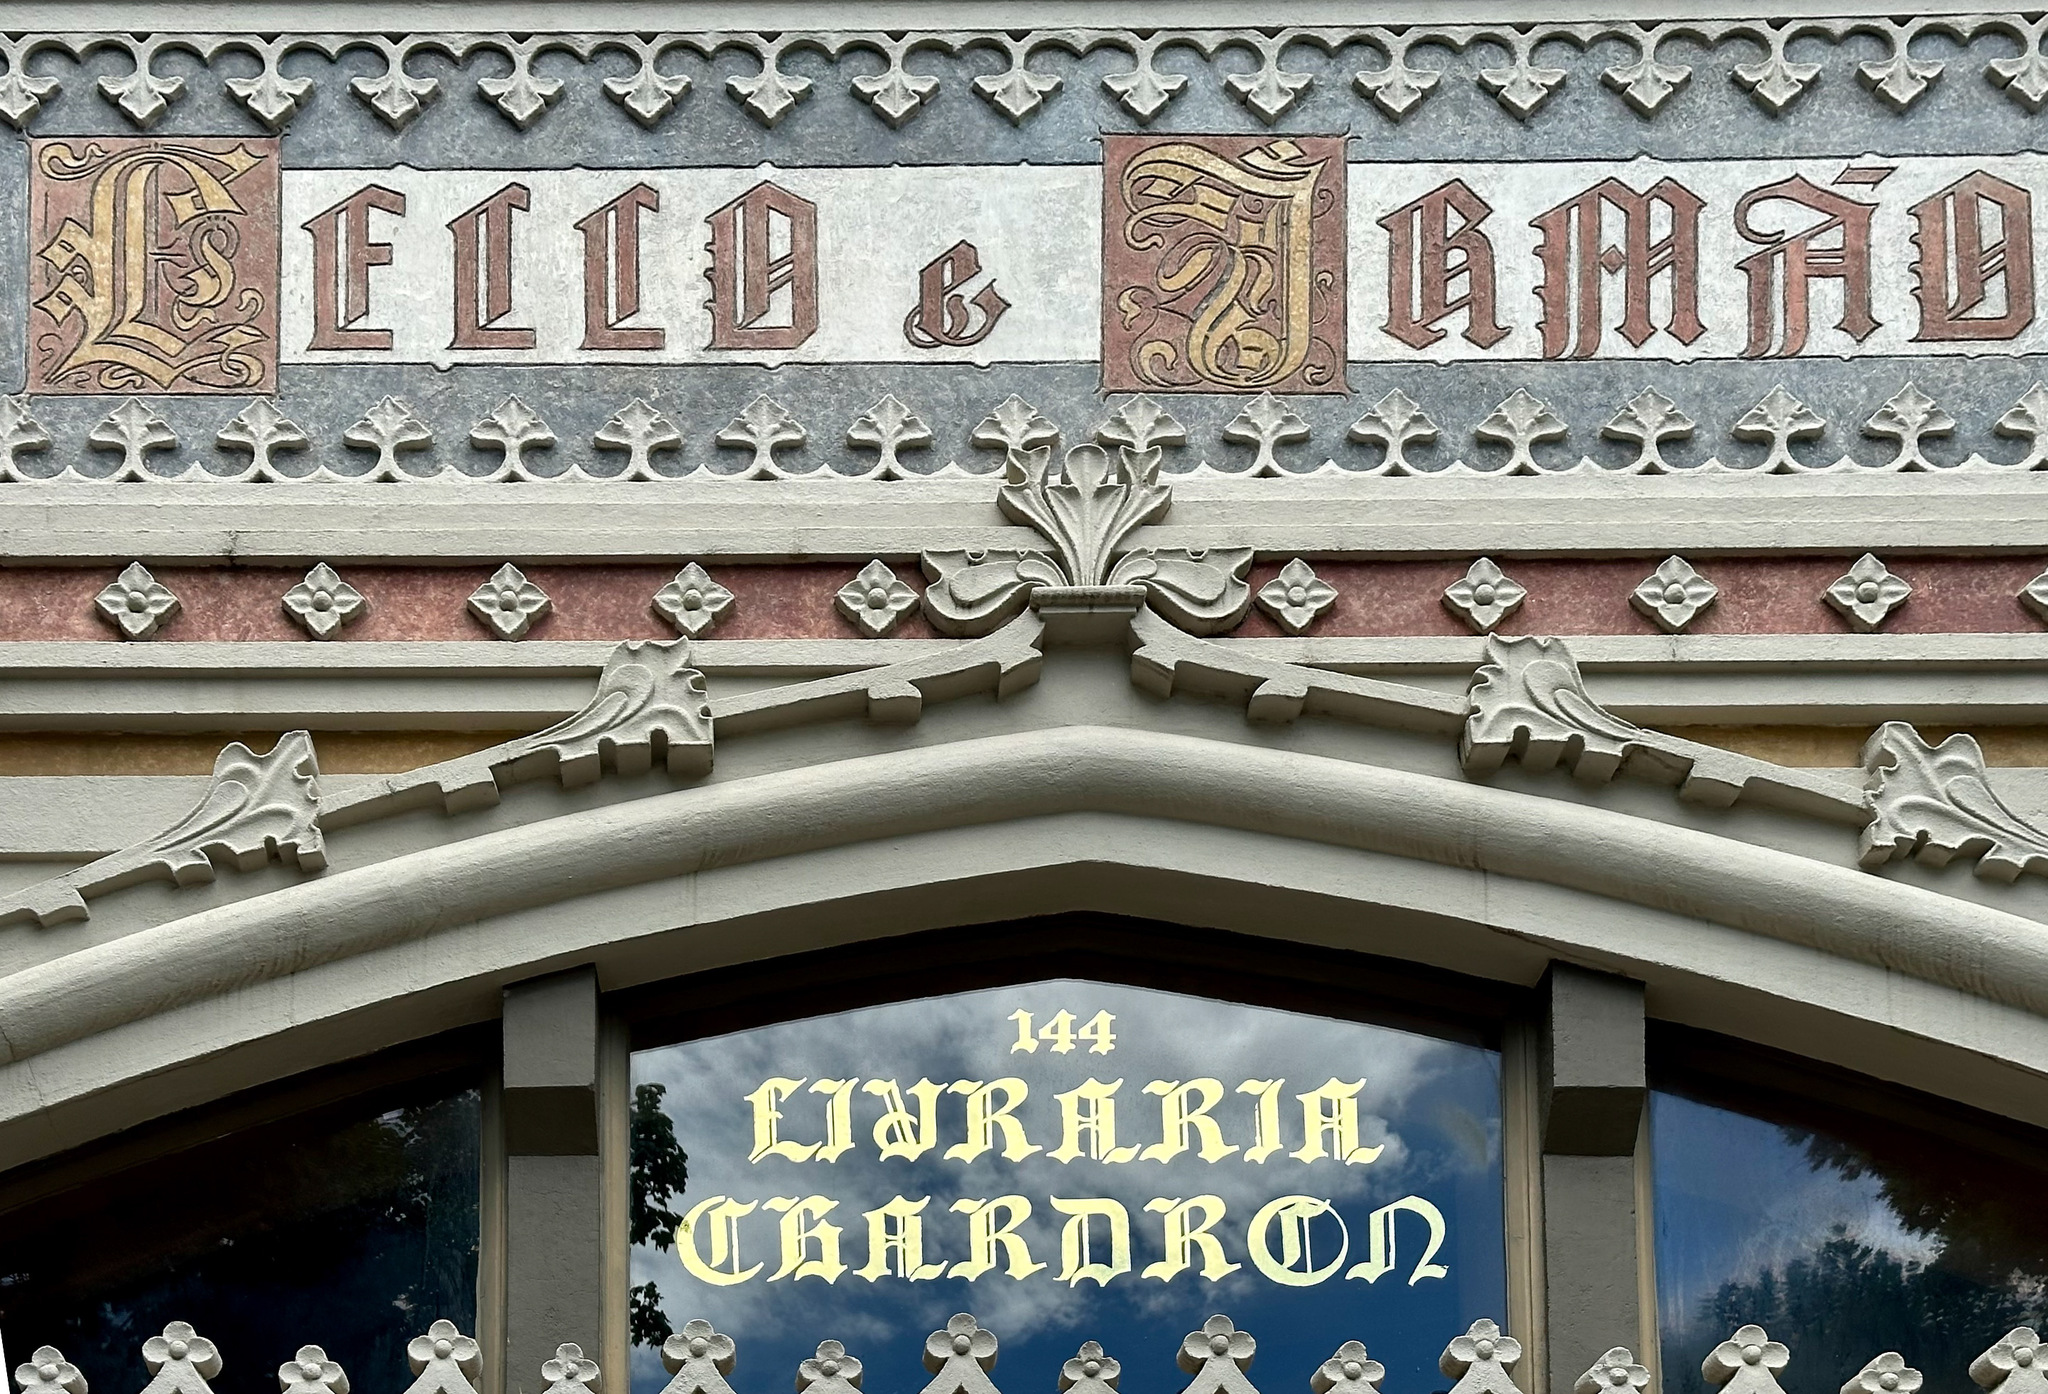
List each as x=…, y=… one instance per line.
x=1086, y=509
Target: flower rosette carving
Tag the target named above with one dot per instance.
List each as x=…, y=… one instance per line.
x=1090, y=1371
x=1747, y=1362
x=48, y=1372
x=830, y=1371
x=1087, y=509
x=1349, y=1371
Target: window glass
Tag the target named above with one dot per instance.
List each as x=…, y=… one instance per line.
x=1068, y=1161
x=352, y=1232
x=1841, y=1243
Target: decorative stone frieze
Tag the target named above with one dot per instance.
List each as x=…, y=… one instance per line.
x=829, y=1371
x=693, y=602
x=1520, y=422
x=1778, y=420
x=323, y=602
x=763, y=426
x=509, y=603
x=512, y=429
x=698, y=1358
x=136, y=603
x=181, y=1361
x=1649, y=419
x=1909, y=417
x=642, y=431
x=888, y=428
x=1395, y=422
x=20, y=434
x=134, y=431
x=1265, y=424
x=263, y=430
x=389, y=428
x=1867, y=593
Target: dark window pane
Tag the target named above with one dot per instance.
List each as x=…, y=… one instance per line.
x=1421, y=1134
x=348, y=1232
x=1841, y=1243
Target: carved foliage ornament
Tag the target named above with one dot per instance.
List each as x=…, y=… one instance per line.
x=1936, y=803
x=1086, y=510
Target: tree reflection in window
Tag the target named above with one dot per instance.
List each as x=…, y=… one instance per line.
x=1843, y=1235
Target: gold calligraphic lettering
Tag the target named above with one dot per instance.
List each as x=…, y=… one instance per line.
x=897, y=1132
x=1090, y=1109
x=1338, y=1122
x=1077, y=1246
x=1176, y=1118
x=766, y=1115
x=896, y=1242
x=1294, y=1215
x=149, y=269
x=985, y=1117
x=993, y=1223
x=1266, y=1120
x=803, y=1223
x=838, y=1117
x=1380, y=1256
x=720, y=1215
x=1230, y=297
x=1182, y=1238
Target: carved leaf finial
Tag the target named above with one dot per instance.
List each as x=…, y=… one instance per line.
x=1780, y=418
x=1649, y=418
x=1480, y=1359
x=649, y=94
x=1867, y=593
x=1520, y=422
x=20, y=434
x=1936, y=803
x=640, y=429
x=1014, y=426
x=1616, y=1372
x=262, y=429
x=270, y=96
x=388, y=427
x=509, y=603
x=1141, y=424
x=2027, y=420
x=1349, y=1371
x=48, y=1372
x=136, y=431
x=1266, y=422
x=1398, y=88
x=763, y=426
x=311, y=1372
x=770, y=94
x=1396, y=423
x=1747, y=1362
x=886, y=428
x=512, y=429
x=1909, y=416
x=1090, y=1371
x=1144, y=91
x=1529, y=697
x=649, y=708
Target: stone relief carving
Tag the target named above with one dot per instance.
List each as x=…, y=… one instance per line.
x=509, y=603
x=311, y=1372
x=1867, y=594
x=1266, y=423
x=887, y=428
x=2034, y=595
x=1885, y=1374
x=444, y=1361
x=1217, y=1356
x=1396, y=423
x=698, y=1358
x=20, y=434
x=257, y=808
x=48, y=1372
x=1087, y=510
x=389, y=427
x=1520, y=422
x=323, y=602
x=1480, y=1359
x=1349, y=1371
x=641, y=430
x=181, y=1361
x=1090, y=1371
x=1649, y=419
x=263, y=430
x=960, y=1357
x=2012, y=1365
x=1909, y=416
x=1746, y=1363
x=693, y=602
x=136, y=603
x=763, y=426
x=829, y=1371
x=1778, y=420
x=512, y=429
x=1499, y=60
x=569, y=1372
x=135, y=431
x=1936, y=803
x=1616, y=1372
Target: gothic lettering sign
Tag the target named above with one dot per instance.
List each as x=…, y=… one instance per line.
x=1093, y=1161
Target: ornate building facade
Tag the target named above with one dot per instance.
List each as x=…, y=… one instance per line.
x=700, y=694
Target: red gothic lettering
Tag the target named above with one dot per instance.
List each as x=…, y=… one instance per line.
x=341, y=278
x=945, y=316
x=1428, y=254
x=1960, y=259
x=1781, y=275
x=611, y=272
x=483, y=252
x=1574, y=259
x=763, y=243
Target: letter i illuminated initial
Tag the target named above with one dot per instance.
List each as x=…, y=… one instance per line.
x=611, y=272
